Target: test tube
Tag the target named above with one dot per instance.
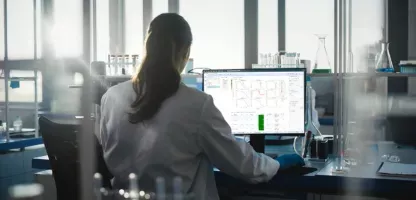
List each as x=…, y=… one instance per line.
x=127, y=64
x=135, y=60
x=269, y=60
x=276, y=60
x=263, y=60
x=260, y=62
x=134, y=188
x=160, y=189
x=112, y=65
x=298, y=60
x=98, y=183
x=292, y=59
x=177, y=188
x=282, y=59
x=108, y=69
x=120, y=63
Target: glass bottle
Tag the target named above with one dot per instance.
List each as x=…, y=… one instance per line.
x=384, y=63
x=17, y=124
x=322, y=63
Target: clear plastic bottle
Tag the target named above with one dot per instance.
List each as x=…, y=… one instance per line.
x=17, y=124
x=2, y=132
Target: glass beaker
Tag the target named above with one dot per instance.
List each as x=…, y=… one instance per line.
x=322, y=63
x=384, y=63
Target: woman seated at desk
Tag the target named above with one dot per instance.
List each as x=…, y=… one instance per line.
x=154, y=126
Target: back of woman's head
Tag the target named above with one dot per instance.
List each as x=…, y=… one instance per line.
x=167, y=49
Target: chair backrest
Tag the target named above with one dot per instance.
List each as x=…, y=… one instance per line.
x=60, y=140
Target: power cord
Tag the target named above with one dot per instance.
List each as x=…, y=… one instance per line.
x=191, y=71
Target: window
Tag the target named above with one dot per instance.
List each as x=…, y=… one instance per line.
x=103, y=30
x=268, y=33
x=20, y=29
x=218, y=31
x=367, y=32
x=25, y=92
x=67, y=31
x=304, y=20
x=134, y=26
x=1, y=30
x=159, y=7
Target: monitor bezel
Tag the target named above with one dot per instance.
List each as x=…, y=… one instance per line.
x=265, y=70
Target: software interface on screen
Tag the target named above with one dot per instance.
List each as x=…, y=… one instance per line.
x=259, y=102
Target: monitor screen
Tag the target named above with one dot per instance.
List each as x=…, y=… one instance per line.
x=259, y=101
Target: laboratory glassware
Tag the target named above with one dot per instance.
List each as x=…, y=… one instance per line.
x=3, y=135
x=384, y=63
x=322, y=63
x=17, y=124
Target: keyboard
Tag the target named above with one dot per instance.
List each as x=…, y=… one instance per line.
x=297, y=170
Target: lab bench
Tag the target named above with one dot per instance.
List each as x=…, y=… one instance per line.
x=19, y=143
x=361, y=180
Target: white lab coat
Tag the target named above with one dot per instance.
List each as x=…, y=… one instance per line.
x=186, y=138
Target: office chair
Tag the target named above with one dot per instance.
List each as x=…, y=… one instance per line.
x=60, y=140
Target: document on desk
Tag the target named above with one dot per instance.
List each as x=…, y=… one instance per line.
x=398, y=169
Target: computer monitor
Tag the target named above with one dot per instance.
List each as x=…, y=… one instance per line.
x=259, y=101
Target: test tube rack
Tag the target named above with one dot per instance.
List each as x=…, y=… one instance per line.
x=122, y=64
x=278, y=60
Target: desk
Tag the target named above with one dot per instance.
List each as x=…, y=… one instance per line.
x=359, y=181
x=363, y=180
x=19, y=143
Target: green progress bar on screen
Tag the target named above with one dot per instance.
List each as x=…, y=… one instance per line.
x=261, y=122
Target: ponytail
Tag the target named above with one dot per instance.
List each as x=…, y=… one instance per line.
x=159, y=77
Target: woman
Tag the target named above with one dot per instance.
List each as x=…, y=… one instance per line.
x=155, y=126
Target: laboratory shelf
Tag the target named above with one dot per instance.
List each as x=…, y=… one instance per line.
x=19, y=143
x=366, y=75
x=20, y=78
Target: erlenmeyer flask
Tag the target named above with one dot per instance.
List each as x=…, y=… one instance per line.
x=384, y=63
x=322, y=64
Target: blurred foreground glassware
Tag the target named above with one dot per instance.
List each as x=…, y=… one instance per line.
x=322, y=63
x=26, y=191
x=352, y=152
x=390, y=158
x=384, y=63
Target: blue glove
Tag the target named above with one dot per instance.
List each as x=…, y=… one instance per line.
x=290, y=160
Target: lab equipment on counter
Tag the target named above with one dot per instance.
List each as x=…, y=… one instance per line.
x=306, y=149
x=321, y=147
x=278, y=60
x=3, y=135
x=311, y=112
x=17, y=124
x=384, y=63
x=322, y=63
x=118, y=65
x=408, y=66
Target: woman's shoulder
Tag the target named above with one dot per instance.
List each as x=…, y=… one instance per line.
x=192, y=93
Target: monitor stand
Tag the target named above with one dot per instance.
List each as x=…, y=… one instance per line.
x=258, y=142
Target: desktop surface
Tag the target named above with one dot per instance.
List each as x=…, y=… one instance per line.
x=259, y=101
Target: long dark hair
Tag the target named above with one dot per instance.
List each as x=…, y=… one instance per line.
x=167, y=44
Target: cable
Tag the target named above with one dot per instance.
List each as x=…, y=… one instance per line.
x=191, y=71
